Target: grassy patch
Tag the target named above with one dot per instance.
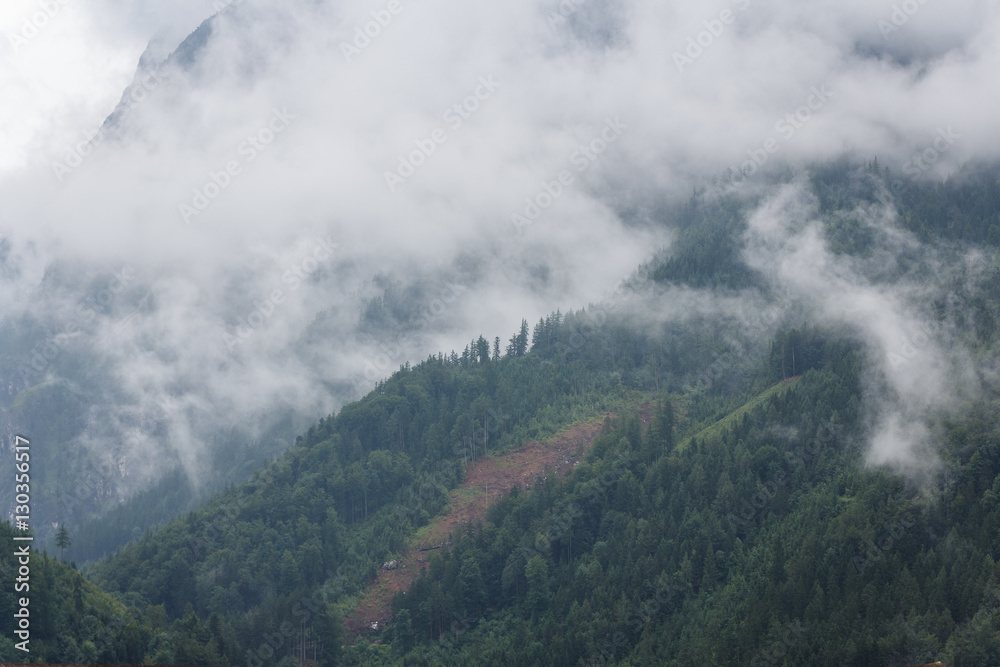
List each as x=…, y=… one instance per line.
x=718, y=428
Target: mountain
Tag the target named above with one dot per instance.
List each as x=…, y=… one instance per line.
x=574, y=332
x=756, y=514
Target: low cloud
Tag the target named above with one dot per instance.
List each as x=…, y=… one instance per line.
x=165, y=343
x=918, y=367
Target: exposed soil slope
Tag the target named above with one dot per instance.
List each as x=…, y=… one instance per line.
x=487, y=480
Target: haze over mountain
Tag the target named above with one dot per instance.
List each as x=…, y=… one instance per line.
x=203, y=226
x=549, y=332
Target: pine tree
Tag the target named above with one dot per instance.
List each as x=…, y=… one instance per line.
x=482, y=350
x=63, y=540
x=522, y=340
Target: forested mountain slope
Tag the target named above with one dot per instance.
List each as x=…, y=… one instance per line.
x=770, y=543
x=745, y=525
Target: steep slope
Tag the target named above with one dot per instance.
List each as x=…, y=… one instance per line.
x=349, y=495
x=763, y=525
x=730, y=421
x=71, y=620
x=486, y=481
x=767, y=543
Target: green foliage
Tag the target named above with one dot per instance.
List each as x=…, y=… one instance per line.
x=707, y=250
x=72, y=620
x=765, y=541
x=738, y=526
x=308, y=532
x=63, y=539
x=966, y=207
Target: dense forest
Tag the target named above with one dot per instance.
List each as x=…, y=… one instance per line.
x=741, y=525
x=769, y=543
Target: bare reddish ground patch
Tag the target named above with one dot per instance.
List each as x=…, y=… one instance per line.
x=467, y=505
x=646, y=415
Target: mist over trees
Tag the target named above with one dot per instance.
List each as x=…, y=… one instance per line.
x=521, y=333
x=740, y=524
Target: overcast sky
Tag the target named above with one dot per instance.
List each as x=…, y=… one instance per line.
x=535, y=136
